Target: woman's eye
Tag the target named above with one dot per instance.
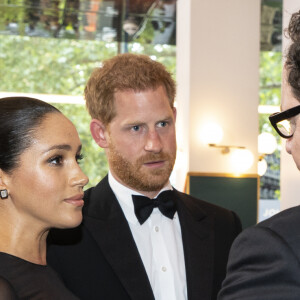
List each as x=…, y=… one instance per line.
x=56, y=160
x=79, y=157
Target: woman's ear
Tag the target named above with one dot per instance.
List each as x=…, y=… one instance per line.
x=3, y=181
x=2, y=184
x=98, y=131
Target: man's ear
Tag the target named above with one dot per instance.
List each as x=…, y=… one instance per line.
x=174, y=113
x=99, y=133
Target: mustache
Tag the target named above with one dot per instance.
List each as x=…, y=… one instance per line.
x=154, y=157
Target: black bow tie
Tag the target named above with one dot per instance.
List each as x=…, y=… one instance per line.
x=143, y=206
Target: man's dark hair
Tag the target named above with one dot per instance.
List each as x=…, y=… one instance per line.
x=292, y=63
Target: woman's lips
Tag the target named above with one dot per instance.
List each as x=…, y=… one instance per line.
x=76, y=200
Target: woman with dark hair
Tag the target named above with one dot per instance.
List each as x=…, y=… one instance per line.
x=41, y=187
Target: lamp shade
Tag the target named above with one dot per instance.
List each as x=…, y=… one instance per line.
x=241, y=160
x=262, y=167
x=267, y=143
x=211, y=133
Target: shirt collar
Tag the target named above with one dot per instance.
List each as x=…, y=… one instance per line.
x=123, y=195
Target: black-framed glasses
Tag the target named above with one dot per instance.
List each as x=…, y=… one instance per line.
x=284, y=123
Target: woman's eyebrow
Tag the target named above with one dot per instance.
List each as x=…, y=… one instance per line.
x=59, y=147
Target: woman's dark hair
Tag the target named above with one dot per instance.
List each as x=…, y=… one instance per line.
x=293, y=54
x=19, y=117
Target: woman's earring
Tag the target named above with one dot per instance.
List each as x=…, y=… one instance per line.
x=3, y=194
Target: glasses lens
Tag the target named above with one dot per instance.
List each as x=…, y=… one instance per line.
x=285, y=127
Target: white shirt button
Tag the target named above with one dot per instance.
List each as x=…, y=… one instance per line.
x=164, y=269
x=156, y=228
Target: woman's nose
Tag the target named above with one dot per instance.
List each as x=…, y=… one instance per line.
x=79, y=178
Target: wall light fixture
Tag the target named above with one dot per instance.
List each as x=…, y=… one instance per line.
x=241, y=159
x=267, y=144
x=224, y=148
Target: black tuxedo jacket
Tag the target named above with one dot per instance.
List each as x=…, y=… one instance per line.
x=100, y=260
x=264, y=262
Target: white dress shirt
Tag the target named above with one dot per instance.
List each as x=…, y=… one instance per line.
x=159, y=243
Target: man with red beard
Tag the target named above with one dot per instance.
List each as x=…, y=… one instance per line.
x=141, y=239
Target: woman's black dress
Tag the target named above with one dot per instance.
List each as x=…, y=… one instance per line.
x=20, y=279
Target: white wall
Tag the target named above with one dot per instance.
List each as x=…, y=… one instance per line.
x=218, y=78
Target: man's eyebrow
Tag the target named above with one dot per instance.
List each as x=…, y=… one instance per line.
x=137, y=123
x=62, y=147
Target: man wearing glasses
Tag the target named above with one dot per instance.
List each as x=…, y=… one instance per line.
x=285, y=122
x=264, y=261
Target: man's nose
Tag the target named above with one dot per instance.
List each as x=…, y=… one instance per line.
x=153, y=142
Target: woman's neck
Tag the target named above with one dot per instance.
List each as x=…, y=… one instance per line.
x=23, y=240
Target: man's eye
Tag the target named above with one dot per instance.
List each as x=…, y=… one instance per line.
x=56, y=160
x=162, y=124
x=136, y=128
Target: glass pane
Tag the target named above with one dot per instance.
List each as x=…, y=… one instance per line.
x=271, y=25
x=270, y=89
x=51, y=47
x=285, y=127
x=103, y=20
x=49, y=66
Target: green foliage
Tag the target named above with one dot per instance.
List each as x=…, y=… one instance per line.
x=94, y=163
x=59, y=66
x=164, y=54
x=277, y=194
x=53, y=66
x=270, y=78
x=270, y=90
x=49, y=66
x=270, y=86
x=270, y=94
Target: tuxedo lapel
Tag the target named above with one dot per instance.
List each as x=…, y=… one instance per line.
x=198, y=244
x=104, y=218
